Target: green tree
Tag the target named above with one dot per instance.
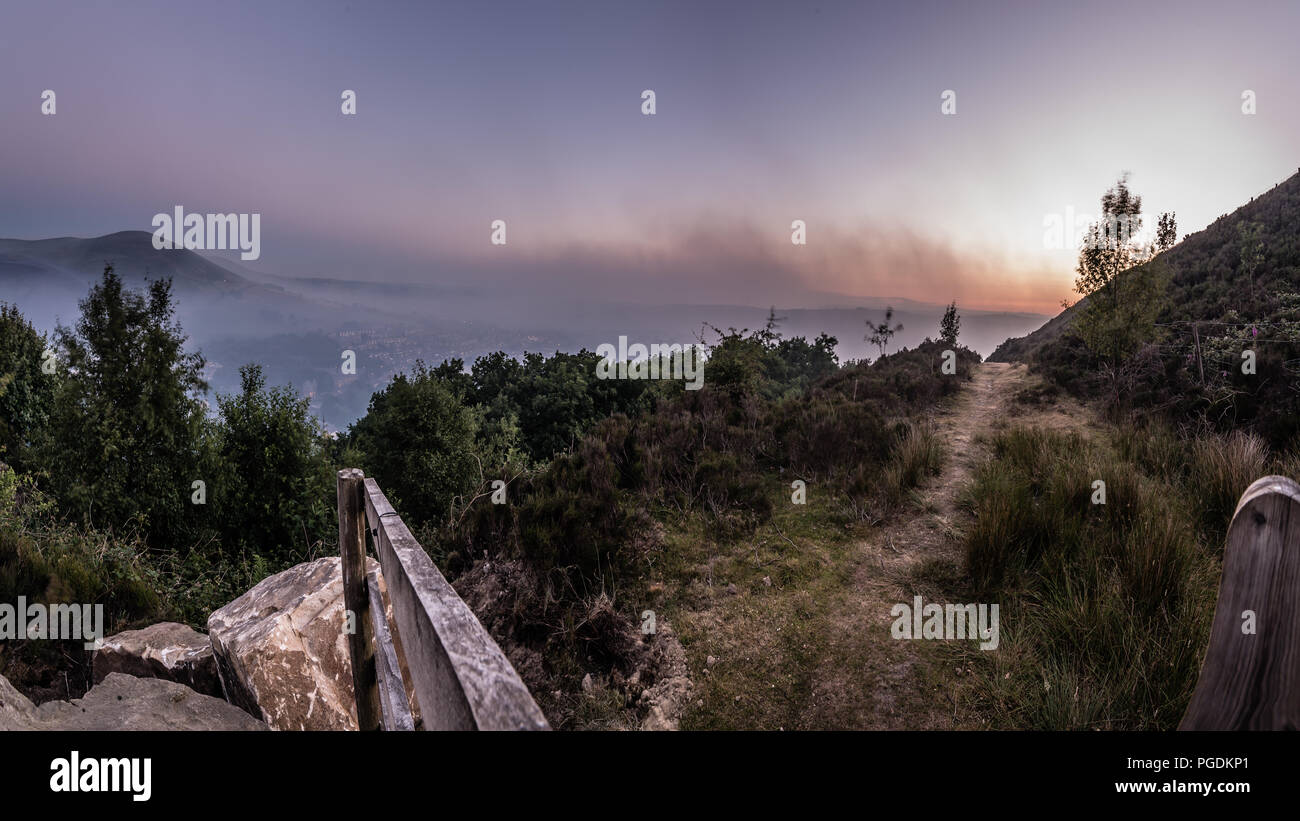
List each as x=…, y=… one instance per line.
x=26, y=392
x=123, y=437
x=419, y=444
x=1166, y=231
x=275, y=496
x=950, y=325
x=1122, y=293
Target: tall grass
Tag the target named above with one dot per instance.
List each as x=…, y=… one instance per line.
x=1106, y=607
x=918, y=454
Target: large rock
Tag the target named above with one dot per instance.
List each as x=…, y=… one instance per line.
x=167, y=650
x=282, y=652
x=122, y=702
x=16, y=710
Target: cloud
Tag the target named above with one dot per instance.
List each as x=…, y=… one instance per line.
x=710, y=261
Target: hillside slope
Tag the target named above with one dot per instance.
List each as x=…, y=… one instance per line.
x=1225, y=347
x=1206, y=281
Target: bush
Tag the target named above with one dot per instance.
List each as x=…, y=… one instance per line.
x=49, y=561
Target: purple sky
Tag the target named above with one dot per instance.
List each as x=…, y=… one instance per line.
x=530, y=112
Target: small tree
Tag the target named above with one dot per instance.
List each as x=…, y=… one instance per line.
x=1251, y=252
x=880, y=334
x=950, y=325
x=1166, y=232
x=1122, y=293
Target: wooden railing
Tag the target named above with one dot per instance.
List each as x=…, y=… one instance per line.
x=1250, y=679
x=460, y=677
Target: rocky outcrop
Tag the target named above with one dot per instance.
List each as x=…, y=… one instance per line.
x=282, y=652
x=122, y=702
x=167, y=650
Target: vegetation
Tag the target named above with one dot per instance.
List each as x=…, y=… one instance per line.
x=879, y=335
x=950, y=325
x=1108, y=605
x=1123, y=294
x=1105, y=607
x=26, y=394
x=122, y=485
x=1232, y=288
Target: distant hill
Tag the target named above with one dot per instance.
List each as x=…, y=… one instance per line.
x=47, y=277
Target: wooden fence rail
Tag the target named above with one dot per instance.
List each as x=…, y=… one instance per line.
x=461, y=679
x=1250, y=679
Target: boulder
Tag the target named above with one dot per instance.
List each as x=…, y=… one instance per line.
x=282, y=652
x=122, y=702
x=16, y=710
x=167, y=650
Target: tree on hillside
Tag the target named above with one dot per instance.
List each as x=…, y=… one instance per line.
x=1250, y=251
x=950, y=325
x=1166, y=231
x=26, y=391
x=1122, y=293
x=122, y=442
x=880, y=334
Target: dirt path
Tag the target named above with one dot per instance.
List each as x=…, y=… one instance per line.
x=792, y=629
x=899, y=684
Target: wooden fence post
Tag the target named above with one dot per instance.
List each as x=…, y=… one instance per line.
x=356, y=596
x=1250, y=679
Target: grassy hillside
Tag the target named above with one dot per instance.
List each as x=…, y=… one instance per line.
x=1214, y=306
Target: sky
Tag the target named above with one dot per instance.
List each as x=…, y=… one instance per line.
x=531, y=112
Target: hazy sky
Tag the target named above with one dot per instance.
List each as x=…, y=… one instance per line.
x=531, y=112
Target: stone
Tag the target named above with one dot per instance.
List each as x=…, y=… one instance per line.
x=123, y=702
x=282, y=650
x=667, y=699
x=16, y=709
x=167, y=650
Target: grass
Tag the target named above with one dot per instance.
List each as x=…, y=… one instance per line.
x=1105, y=607
x=770, y=608
x=917, y=455
x=768, y=636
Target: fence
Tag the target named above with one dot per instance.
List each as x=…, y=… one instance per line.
x=460, y=677
x=1250, y=679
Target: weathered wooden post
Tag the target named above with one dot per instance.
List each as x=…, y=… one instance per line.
x=356, y=596
x=1250, y=679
